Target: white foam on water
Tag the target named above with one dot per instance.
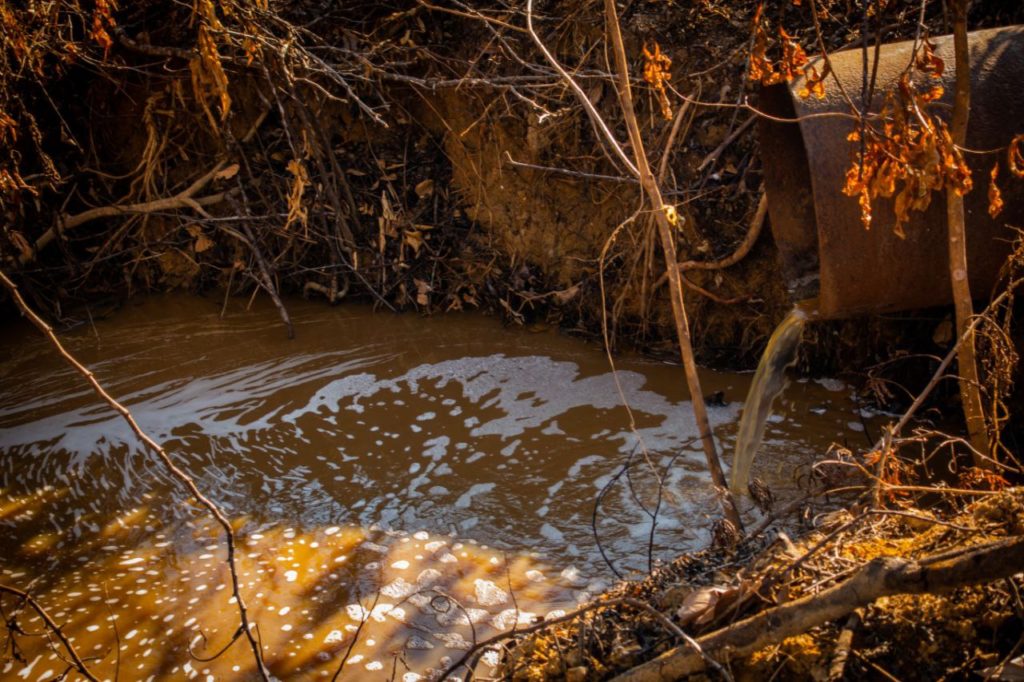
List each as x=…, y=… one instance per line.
x=399, y=588
x=417, y=642
x=466, y=499
x=357, y=612
x=488, y=594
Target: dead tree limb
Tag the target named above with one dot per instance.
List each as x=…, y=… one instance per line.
x=76, y=660
x=184, y=199
x=881, y=577
x=186, y=480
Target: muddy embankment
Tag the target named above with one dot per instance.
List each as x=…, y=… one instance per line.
x=424, y=157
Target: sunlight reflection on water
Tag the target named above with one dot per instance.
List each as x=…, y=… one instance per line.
x=375, y=459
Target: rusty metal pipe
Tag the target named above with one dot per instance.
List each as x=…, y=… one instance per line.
x=824, y=248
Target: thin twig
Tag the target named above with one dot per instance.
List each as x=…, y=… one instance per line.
x=51, y=624
x=756, y=225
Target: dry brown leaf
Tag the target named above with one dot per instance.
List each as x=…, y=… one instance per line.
x=699, y=606
x=414, y=240
x=386, y=211
x=300, y=181
x=203, y=243
x=425, y=189
x=21, y=243
x=995, y=197
x=423, y=290
x=1014, y=157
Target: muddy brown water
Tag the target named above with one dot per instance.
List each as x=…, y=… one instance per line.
x=432, y=479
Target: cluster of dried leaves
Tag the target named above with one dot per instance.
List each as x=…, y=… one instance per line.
x=909, y=153
x=658, y=72
x=37, y=46
x=1015, y=165
x=904, y=151
x=793, y=63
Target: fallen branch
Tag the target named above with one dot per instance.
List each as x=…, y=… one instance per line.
x=468, y=659
x=156, y=449
x=76, y=660
x=184, y=199
x=881, y=577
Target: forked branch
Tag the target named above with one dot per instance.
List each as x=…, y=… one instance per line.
x=184, y=199
x=52, y=626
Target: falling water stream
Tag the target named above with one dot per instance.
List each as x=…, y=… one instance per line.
x=423, y=481
x=768, y=383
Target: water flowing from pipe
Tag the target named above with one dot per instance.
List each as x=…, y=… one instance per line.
x=769, y=381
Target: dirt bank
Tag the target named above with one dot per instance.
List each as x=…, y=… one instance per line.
x=419, y=155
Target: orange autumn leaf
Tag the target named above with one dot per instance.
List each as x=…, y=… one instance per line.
x=101, y=18
x=814, y=84
x=928, y=62
x=995, y=197
x=657, y=72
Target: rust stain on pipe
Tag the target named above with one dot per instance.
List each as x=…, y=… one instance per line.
x=825, y=250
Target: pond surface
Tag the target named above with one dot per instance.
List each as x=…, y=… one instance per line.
x=417, y=482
